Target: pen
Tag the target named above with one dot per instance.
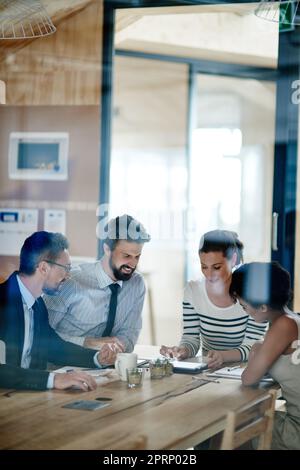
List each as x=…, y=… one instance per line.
x=232, y=368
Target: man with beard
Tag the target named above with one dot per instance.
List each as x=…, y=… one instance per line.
x=29, y=342
x=100, y=305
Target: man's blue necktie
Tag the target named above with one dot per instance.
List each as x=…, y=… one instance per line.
x=112, y=309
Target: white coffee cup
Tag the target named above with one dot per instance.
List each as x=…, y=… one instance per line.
x=123, y=362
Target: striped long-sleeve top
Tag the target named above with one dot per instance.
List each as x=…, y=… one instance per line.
x=217, y=328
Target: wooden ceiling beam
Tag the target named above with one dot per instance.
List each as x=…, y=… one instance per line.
x=125, y=19
x=241, y=9
x=199, y=53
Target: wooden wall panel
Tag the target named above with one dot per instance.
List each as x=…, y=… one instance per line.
x=78, y=195
x=44, y=77
x=61, y=69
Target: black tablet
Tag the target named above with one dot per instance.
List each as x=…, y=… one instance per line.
x=182, y=367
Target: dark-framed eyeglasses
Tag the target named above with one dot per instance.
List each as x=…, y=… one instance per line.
x=66, y=267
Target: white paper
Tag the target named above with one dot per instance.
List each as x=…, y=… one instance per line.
x=100, y=375
x=55, y=221
x=154, y=357
x=230, y=372
x=235, y=373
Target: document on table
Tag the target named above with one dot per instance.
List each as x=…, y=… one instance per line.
x=235, y=373
x=101, y=376
x=150, y=357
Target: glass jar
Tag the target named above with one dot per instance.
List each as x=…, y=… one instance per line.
x=157, y=369
x=168, y=368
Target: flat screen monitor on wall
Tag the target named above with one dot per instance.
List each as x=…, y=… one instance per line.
x=38, y=155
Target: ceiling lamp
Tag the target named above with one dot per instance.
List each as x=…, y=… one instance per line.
x=284, y=12
x=23, y=19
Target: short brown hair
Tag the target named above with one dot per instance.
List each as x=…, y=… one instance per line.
x=124, y=227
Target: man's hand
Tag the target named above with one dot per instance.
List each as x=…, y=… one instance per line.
x=97, y=343
x=108, y=353
x=179, y=352
x=214, y=359
x=78, y=379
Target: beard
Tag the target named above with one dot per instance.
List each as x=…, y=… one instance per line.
x=119, y=273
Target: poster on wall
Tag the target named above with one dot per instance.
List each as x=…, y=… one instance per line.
x=15, y=226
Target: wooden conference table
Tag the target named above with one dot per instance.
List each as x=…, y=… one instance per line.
x=170, y=413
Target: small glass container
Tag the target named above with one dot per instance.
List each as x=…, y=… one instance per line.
x=168, y=367
x=157, y=369
x=135, y=377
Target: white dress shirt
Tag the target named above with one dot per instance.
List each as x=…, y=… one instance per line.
x=28, y=301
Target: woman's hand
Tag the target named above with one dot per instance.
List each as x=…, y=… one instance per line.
x=179, y=352
x=214, y=359
x=254, y=350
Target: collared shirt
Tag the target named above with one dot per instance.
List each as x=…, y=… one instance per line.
x=28, y=301
x=81, y=308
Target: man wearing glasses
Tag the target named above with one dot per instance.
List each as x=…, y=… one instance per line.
x=100, y=305
x=29, y=340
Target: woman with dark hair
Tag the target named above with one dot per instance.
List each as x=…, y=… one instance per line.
x=210, y=317
x=263, y=290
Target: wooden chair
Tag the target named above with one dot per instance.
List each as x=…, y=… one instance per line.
x=253, y=420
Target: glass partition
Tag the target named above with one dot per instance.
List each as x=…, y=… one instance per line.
x=231, y=165
x=185, y=158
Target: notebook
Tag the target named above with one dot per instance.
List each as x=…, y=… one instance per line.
x=235, y=373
